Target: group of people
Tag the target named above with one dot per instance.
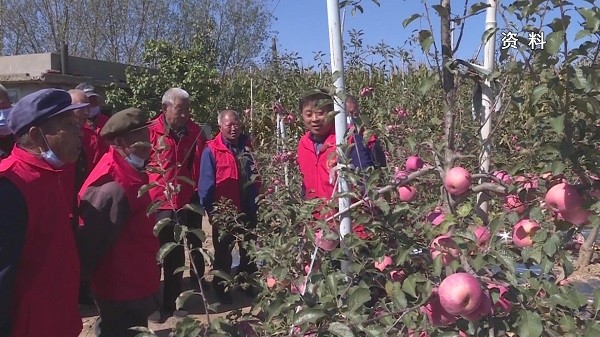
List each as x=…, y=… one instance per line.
x=72, y=215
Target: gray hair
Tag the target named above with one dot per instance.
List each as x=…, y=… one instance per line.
x=227, y=112
x=4, y=96
x=174, y=94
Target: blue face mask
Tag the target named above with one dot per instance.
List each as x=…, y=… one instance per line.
x=136, y=161
x=50, y=157
x=4, y=129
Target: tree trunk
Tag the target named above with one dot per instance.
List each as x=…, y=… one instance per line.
x=586, y=252
x=449, y=91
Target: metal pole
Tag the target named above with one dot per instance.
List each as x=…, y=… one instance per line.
x=337, y=65
x=251, y=103
x=488, y=105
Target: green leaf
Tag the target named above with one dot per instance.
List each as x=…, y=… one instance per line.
x=597, y=300
x=538, y=92
x=554, y=41
x=332, y=284
x=558, y=124
x=160, y=224
x=465, y=210
x=164, y=250
x=581, y=34
x=409, y=285
x=186, y=180
x=488, y=34
x=340, y=329
x=425, y=39
x=412, y=18
x=196, y=208
x=551, y=244
x=507, y=260
x=309, y=315
x=475, y=8
x=221, y=274
x=145, y=188
x=154, y=206
x=358, y=298
x=397, y=294
x=530, y=324
x=180, y=301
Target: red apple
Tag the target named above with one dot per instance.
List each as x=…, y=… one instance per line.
x=460, y=293
x=482, y=234
x=325, y=244
x=407, y=193
x=458, y=181
x=512, y=203
x=435, y=312
x=563, y=197
x=386, y=261
x=411, y=333
x=436, y=217
x=297, y=287
x=366, y=91
x=503, y=176
x=445, y=245
x=523, y=232
x=484, y=309
x=271, y=281
x=413, y=163
x=398, y=275
x=390, y=128
x=503, y=306
x=577, y=216
x=528, y=182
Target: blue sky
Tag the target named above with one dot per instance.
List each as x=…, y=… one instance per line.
x=302, y=25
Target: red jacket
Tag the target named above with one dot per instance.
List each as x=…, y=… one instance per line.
x=177, y=159
x=128, y=271
x=46, y=287
x=94, y=146
x=100, y=121
x=315, y=167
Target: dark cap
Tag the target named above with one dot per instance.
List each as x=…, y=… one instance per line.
x=130, y=119
x=36, y=108
x=88, y=89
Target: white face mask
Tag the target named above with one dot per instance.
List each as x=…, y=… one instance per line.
x=94, y=111
x=349, y=120
x=4, y=129
x=50, y=157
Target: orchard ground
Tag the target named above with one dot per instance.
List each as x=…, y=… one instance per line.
x=586, y=279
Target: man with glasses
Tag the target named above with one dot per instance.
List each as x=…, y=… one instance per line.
x=227, y=172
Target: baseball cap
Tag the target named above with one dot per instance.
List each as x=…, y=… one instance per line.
x=88, y=89
x=38, y=107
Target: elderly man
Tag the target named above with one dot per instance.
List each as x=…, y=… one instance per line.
x=374, y=145
x=177, y=143
x=7, y=140
x=39, y=265
x=116, y=242
x=96, y=120
x=226, y=172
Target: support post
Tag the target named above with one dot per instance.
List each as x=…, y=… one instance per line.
x=337, y=66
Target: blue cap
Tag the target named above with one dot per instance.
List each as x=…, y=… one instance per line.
x=38, y=107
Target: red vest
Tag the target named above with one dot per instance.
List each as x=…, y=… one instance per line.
x=94, y=146
x=315, y=167
x=227, y=184
x=178, y=159
x=129, y=270
x=47, y=280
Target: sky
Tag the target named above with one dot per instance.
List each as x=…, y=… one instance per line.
x=302, y=26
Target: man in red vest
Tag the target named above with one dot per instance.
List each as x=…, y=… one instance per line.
x=176, y=147
x=7, y=140
x=116, y=240
x=226, y=171
x=96, y=119
x=39, y=265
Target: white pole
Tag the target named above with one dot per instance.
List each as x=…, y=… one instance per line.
x=337, y=65
x=487, y=103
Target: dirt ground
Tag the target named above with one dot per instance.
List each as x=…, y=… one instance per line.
x=193, y=305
